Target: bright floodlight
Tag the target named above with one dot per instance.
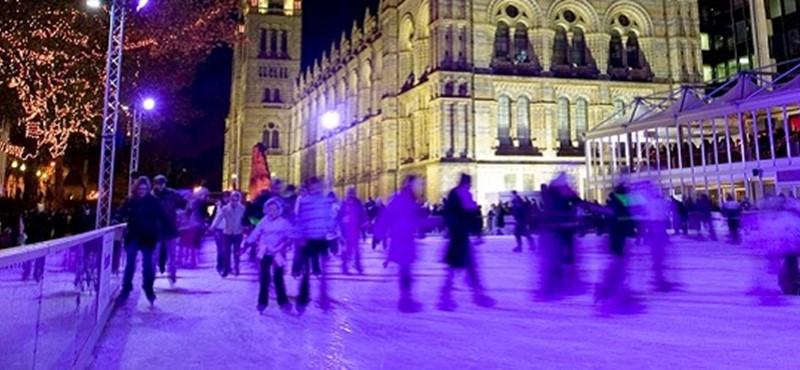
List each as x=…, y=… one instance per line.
x=149, y=104
x=142, y=4
x=330, y=120
x=94, y=4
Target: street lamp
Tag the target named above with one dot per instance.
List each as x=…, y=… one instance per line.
x=148, y=104
x=329, y=121
x=111, y=106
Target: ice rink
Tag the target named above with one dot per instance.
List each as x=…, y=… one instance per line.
x=207, y=322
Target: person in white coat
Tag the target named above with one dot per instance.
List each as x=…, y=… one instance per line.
x=271, y=239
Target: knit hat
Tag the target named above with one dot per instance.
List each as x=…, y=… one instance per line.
x=277, y=201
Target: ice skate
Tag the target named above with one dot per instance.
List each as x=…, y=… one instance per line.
x=172, y=280
x=484, y=300
x=518, y=249
x=408, y=305
x=151, y=297
x=123, y=297
x=261, y=308
x=447, y=305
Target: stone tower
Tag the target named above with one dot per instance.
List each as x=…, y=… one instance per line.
x=265, y=68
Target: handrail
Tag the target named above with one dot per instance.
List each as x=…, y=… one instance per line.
x=24, y=253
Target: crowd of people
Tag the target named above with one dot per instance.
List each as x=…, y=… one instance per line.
x=295, y=231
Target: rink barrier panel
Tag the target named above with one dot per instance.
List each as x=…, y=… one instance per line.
x=73, y=282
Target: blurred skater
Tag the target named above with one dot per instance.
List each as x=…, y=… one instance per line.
x=612, y=292
x=559, y=272
x=462, y=218
x=522, y=220
x=314, y=219
x=352, y=219
x=732, y=211
x=399, y=226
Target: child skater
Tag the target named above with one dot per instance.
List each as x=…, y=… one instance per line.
x=272, y=237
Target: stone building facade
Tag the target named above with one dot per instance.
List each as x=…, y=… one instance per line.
x=501, y=89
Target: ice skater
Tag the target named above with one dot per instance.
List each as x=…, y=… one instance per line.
x=352, y=219
x=145, y=216
x=398, y=226
x=271, y=238
x=171, y=201
x=314, y=219
x=462, y=218
x=218, y=229
x=233, y=229
x=558, y=267
x=612, y=293
x=522, y=220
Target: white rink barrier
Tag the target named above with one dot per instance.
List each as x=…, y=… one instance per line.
x=56, y=297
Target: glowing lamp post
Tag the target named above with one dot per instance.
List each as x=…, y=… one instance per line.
x=329, y=121
x=148, y=104
x=111, y=106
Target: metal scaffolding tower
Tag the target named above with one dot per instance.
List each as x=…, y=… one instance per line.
x=105, y=184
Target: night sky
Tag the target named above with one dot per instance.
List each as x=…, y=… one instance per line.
x=323, y=23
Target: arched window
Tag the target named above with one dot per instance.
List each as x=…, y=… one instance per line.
x=273, y=42
x=277, y=96
x=267, y=96
x=522, y=45
x=564, y=129
x=501, y=41
x=284, y=43
x=262, y=43
x=581, y=119
x=276, y=142
x=504, y=121
x=449, y=88
x=523, y=121
x=616, y=51
x=271, y=137
x=632, y=46
x=560, y=48
x=577, y=55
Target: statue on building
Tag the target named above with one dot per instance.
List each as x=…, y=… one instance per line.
x=260, y=178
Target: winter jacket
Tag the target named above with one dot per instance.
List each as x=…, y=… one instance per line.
x=314, y=217
x=233, y=216
x=400, y=224
x=271, y=237
x=352, y=217
x=171, y=201
x=145, y=216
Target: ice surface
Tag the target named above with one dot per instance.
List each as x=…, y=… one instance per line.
x=207, y=322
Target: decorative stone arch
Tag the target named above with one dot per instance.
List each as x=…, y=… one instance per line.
x=640, y=20
x=583, y=10
x=422, y=29
x=366, y=73
x=530, y=13
x=407, y=32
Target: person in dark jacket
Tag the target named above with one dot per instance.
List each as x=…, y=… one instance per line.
x=38, y=228
x=521, y=211
x=171, y=202
x=462, y=218
x=145, y=217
